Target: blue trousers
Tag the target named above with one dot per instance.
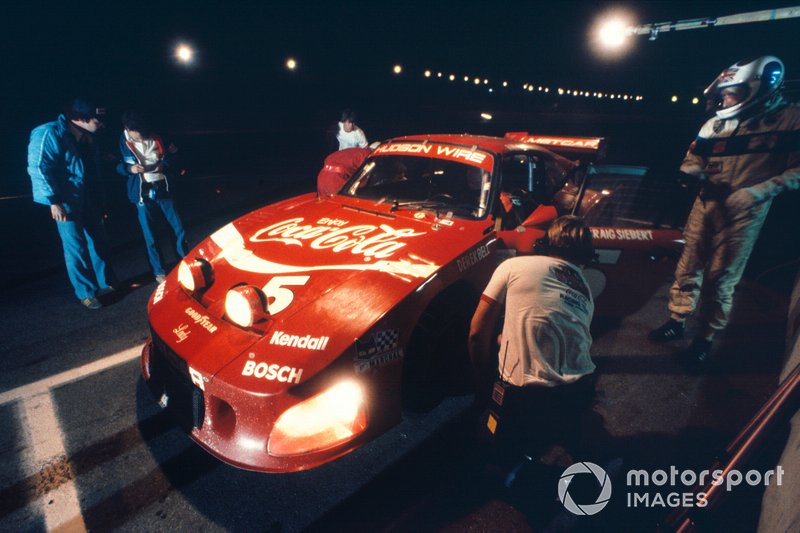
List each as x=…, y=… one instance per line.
x=85, y=251
x=147, y=210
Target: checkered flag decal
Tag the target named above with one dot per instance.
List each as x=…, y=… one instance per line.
x=386, y=340
x=380, y=342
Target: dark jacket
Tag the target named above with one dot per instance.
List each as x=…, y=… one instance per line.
x=57, y=170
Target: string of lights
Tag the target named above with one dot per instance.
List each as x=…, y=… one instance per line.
x=527, y=86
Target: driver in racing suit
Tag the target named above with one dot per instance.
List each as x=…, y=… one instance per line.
x=744, y=156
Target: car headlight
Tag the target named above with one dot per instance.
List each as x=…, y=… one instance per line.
x=321, y=422
x=195, y=274
x=245, y=305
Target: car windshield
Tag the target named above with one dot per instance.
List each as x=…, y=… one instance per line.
x=423, y=183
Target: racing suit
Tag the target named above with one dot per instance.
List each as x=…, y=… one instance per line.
x=747, y=162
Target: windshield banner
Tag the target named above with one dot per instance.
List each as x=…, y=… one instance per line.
x=459, y=154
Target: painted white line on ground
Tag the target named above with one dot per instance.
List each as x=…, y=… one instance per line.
x=44, y=385
x=60, y=507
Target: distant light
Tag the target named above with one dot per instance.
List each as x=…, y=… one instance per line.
x=491, y=90
x=291, y=64
x=466, y=78
x=184, y=53
x=530, y=88
x=397, y=69
x=695, y=100
x=674, y=98
x=477, y=81
x=485, y=82
x=560, y=90
x=452, y=77
x=438, y=74
x=505, y=84
x=427, y=73
x=547, y=89
x=611, y=33
x=486, y=116
x=525, y=86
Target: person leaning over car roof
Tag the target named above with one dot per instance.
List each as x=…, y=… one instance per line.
x=544, y=361
x=145, y=162
x=63, y=164
x=744, y=157
x=349, y=135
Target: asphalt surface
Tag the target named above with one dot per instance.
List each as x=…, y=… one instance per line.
x=93, y=450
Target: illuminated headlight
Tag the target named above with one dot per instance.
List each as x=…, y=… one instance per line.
x=245, y=305
x=194, y=275
x=321, y=422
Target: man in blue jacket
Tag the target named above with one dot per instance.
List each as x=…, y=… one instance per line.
x=63, y=164
x=145, y=162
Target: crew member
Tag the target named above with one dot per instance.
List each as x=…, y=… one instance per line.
x=63, y=164
x=544, y=365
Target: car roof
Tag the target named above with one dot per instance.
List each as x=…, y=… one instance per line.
x=497, y=145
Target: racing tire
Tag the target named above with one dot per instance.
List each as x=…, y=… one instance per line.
x=437, y=360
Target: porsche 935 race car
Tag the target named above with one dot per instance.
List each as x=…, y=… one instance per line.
x=300, y=331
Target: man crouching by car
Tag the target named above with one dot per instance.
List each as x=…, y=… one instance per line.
x=543, y=382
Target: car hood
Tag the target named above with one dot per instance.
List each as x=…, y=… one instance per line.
x=330, y=270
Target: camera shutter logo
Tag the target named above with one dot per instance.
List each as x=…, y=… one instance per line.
x=589, y=508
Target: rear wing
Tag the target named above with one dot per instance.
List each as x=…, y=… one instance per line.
x=593, y=147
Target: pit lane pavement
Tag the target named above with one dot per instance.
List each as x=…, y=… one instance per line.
x=85, y=447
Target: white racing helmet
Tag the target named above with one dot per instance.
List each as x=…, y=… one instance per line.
x=758, y=79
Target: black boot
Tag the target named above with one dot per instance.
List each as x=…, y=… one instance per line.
x=697, y=357
x=671, y=330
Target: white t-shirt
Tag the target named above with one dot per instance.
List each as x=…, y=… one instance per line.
x=351, y=139
x=147, y=154
x=548, y=310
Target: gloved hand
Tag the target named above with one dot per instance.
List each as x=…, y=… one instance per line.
x=741, y=200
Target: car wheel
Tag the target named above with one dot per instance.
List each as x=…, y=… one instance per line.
x=437, y=361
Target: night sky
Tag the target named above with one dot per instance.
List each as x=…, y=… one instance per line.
x=121, y=54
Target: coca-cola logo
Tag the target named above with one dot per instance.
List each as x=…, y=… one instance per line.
x=370, y=241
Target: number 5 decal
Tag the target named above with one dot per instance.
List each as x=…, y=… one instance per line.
x=278, y=296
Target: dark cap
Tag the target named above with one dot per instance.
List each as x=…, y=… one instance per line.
x=87, y=109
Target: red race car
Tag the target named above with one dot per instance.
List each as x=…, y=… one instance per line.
x=300, y=331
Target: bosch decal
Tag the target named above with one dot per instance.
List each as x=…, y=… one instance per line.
x=306, y=342
x=284, y=374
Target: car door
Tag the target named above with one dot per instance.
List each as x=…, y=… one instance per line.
x=636, y=219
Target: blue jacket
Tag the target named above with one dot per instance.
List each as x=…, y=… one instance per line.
x=129, y=158
x=58, y=174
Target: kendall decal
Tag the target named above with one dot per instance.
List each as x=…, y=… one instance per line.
x=296, y=341
x=284, y=374
x=371, y=241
